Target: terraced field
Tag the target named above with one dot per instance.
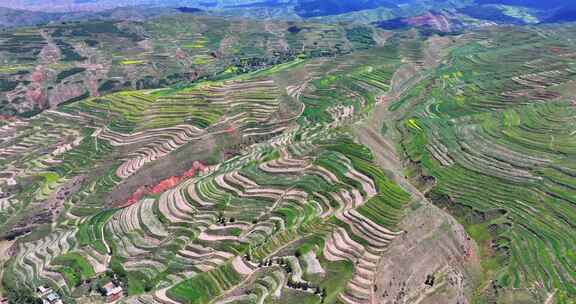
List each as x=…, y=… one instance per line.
x=278, y=197
x=494, y=143
x=45, y=66
x=256, y=188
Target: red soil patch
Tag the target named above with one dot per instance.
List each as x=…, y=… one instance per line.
x=165, y=184
x=136, y=196
x=556, y=50
x=7, y=118
x=38, y=75
x=168, y=183
x=230, y=130
x=36, y=95
x=92, y=84
x=438, y=22
x=180, y=55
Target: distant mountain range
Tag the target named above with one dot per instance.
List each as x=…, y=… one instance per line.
x=389, y=13
x=16, y=17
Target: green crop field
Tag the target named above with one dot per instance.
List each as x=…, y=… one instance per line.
x=231, y=160
x=498, y=141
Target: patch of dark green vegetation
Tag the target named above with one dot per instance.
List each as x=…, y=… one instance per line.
x=67, y=73
x=68, y=52
x=7, y=85
x=361, y=37
x=77, y=98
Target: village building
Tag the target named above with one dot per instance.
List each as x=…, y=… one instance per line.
x=112, y=292
x=48, y=296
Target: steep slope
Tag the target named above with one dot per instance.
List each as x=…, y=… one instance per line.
x=42, y=67
x=494, y=144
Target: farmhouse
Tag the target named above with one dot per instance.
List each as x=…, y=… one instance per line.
x=48, y=296
x=112, y=292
